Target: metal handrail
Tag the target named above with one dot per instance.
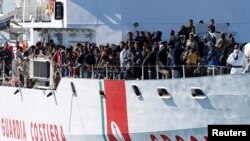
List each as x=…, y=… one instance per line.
x=109, y=70
x=114, y=72
x=142, y=72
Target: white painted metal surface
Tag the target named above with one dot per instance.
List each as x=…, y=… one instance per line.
x=112, y=19
x=64, y=117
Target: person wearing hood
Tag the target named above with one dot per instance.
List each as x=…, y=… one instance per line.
x=237, y=59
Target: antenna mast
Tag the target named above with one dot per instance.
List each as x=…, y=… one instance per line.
x=1, y=6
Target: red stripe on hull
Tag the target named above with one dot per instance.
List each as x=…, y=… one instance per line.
x=116, y=110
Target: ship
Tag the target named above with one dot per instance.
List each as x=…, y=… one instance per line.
x=106, y=109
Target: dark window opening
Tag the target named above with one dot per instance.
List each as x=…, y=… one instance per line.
x=198, y=93
x=162, y=92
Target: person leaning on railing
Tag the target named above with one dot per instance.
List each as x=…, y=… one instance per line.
x=162, y=60
x=192, y=58
x=149, y=62
x=212, y=58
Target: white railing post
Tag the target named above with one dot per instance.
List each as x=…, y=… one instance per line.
x=221, y=67
x=113, y=73
x=51, y=78
x=183, y=71
x=69, y=71
x=157, y=72
x=142, y=72
x=80, y=69
x=3, y=73
x=24, y=10
x=106, y=71
x=92, y=72
x=12, y=74
x=213, y=70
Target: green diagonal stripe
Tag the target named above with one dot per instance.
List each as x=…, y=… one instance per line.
x=102, y=113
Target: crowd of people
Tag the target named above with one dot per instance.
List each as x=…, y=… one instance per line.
x=143, y=55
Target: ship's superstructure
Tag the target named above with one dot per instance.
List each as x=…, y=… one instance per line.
x=72, y=21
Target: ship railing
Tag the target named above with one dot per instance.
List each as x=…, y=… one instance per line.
x=3, y=76
x=129, y=73
x=7, y=80
x=144, y=72
x=32, y=14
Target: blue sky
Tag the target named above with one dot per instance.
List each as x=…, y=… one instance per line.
x=8, y=6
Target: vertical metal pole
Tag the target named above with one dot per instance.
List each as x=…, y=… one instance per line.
x=3, y=74
x=80, y=69
x=51, y=74
x=1, y=6
x=113, y=73
x=24, y=9
x=106, y=71
x=142, y=72
x=183, y=71
x=157, y=72
x=92, y=72
x=69, y=72
x=12, y=75
x=213, y=70
x=42, y=10
x=118, y=74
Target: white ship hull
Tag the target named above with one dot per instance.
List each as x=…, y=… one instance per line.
x=121, y=115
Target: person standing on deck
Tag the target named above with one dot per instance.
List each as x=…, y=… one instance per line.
x=237, y=59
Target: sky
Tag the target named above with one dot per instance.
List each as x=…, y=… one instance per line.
x=8, y=6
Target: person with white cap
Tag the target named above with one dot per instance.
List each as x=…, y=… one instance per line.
x=247, y=54
x=237, y=59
